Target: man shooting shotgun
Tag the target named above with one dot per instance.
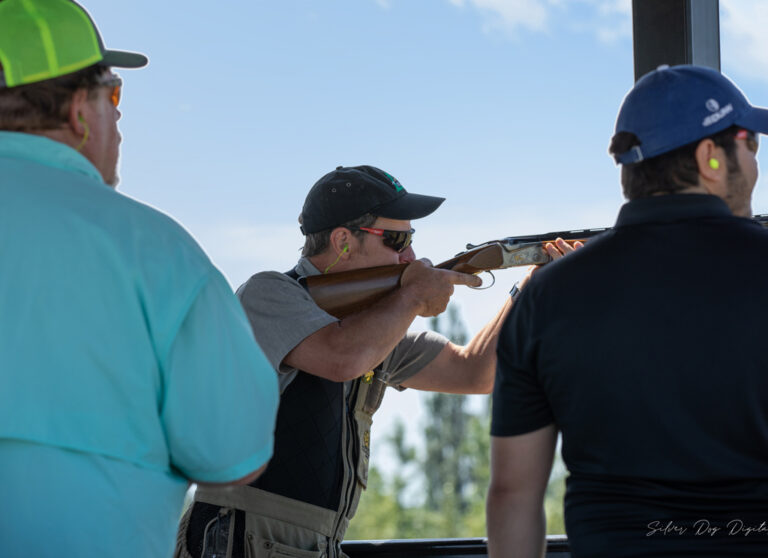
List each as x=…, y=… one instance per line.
x=333, y=372
x=341, y=294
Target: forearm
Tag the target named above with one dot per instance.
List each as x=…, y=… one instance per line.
x=366, y=338
x=353, y=346
x=467, y=369
x=480, y=353
x=356, y=344
x=516, y=527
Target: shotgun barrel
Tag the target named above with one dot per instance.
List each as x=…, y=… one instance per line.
x=348, y=292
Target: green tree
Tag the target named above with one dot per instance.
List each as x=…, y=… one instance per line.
x=452, y=474
x=447, y=471
x=553, y=498
x=378, y=510
x=455, y=465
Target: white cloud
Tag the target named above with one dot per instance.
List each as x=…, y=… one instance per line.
x=744, y=41
x=607, y=20
x=510, y=15
x=615, y=21
x=614, y=7
x=610, y=35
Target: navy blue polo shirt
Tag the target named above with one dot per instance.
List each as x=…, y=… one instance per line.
x=647, y=350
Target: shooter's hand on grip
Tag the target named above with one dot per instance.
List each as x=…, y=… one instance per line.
x=430, y=288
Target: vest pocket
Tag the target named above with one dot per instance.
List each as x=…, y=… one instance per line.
x=263, y=548
x=364, y=421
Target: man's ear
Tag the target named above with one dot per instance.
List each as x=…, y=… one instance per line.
x=77, y=116
x=340, y=241
x=713, y=169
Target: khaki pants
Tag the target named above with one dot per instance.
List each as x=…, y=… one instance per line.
x=275, y=526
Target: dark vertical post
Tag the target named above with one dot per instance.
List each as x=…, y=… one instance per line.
x=675, y=32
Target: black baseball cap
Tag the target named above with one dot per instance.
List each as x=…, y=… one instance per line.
x=347, y=193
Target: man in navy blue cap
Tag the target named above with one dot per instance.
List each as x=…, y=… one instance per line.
x=333, y=373
x=656, y=374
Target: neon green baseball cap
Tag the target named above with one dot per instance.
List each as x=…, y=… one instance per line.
x=44, y=39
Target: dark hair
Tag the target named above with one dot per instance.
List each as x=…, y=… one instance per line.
x=669, y=172
x=44, y=105
x=316, y=243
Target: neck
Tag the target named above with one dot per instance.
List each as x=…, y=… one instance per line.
x=327, y=262
x=689, y=190
x=61, y=135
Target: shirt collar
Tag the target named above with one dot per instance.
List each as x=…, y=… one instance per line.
x=671, y=207
x=305, y=268
x=45, y=151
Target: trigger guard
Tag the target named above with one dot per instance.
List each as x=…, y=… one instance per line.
x=489, y=286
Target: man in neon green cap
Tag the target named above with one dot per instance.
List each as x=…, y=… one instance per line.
x=113, y=321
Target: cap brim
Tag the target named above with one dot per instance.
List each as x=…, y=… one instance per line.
x=123, y=59
x=409, y=206
x=755, y=120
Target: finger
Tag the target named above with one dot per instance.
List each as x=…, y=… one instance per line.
x=458, y=278
x=564, y=247
x=552, y=250
x=425, y=261
x=578, y=244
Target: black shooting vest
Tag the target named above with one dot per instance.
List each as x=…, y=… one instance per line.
x=306, y=464
x=321, y=454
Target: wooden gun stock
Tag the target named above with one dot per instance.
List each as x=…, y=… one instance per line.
x=348, y=292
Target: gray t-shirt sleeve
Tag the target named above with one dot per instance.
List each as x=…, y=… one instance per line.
x=413, y=353
x=282, y=314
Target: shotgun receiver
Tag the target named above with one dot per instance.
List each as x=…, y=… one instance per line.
x=347, y=292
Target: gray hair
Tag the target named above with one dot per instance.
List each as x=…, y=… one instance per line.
x=317, y=243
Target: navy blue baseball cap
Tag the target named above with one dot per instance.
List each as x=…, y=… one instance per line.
x=673, y=106
x=347, y=193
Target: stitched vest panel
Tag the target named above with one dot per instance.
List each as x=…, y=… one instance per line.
x=307, y=463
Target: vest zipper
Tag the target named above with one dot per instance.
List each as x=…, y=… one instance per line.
x=350, y=478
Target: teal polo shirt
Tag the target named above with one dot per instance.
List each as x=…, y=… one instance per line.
x=127, y=365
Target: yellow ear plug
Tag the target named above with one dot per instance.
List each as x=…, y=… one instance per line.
x=714, y=164
x=345, y=249
x=87, y=131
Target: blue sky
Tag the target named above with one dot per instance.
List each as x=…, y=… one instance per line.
x=505, y=107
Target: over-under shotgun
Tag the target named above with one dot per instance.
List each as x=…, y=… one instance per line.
x=347, y=292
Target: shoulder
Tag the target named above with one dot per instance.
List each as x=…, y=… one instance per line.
x=156, y=227
x=270, y=297
x=271, y=285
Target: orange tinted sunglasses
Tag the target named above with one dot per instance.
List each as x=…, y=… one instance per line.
x=115, y=83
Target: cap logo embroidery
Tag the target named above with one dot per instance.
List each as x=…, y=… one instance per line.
x=717, y=116
x=712, y=105
x=394, y=181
